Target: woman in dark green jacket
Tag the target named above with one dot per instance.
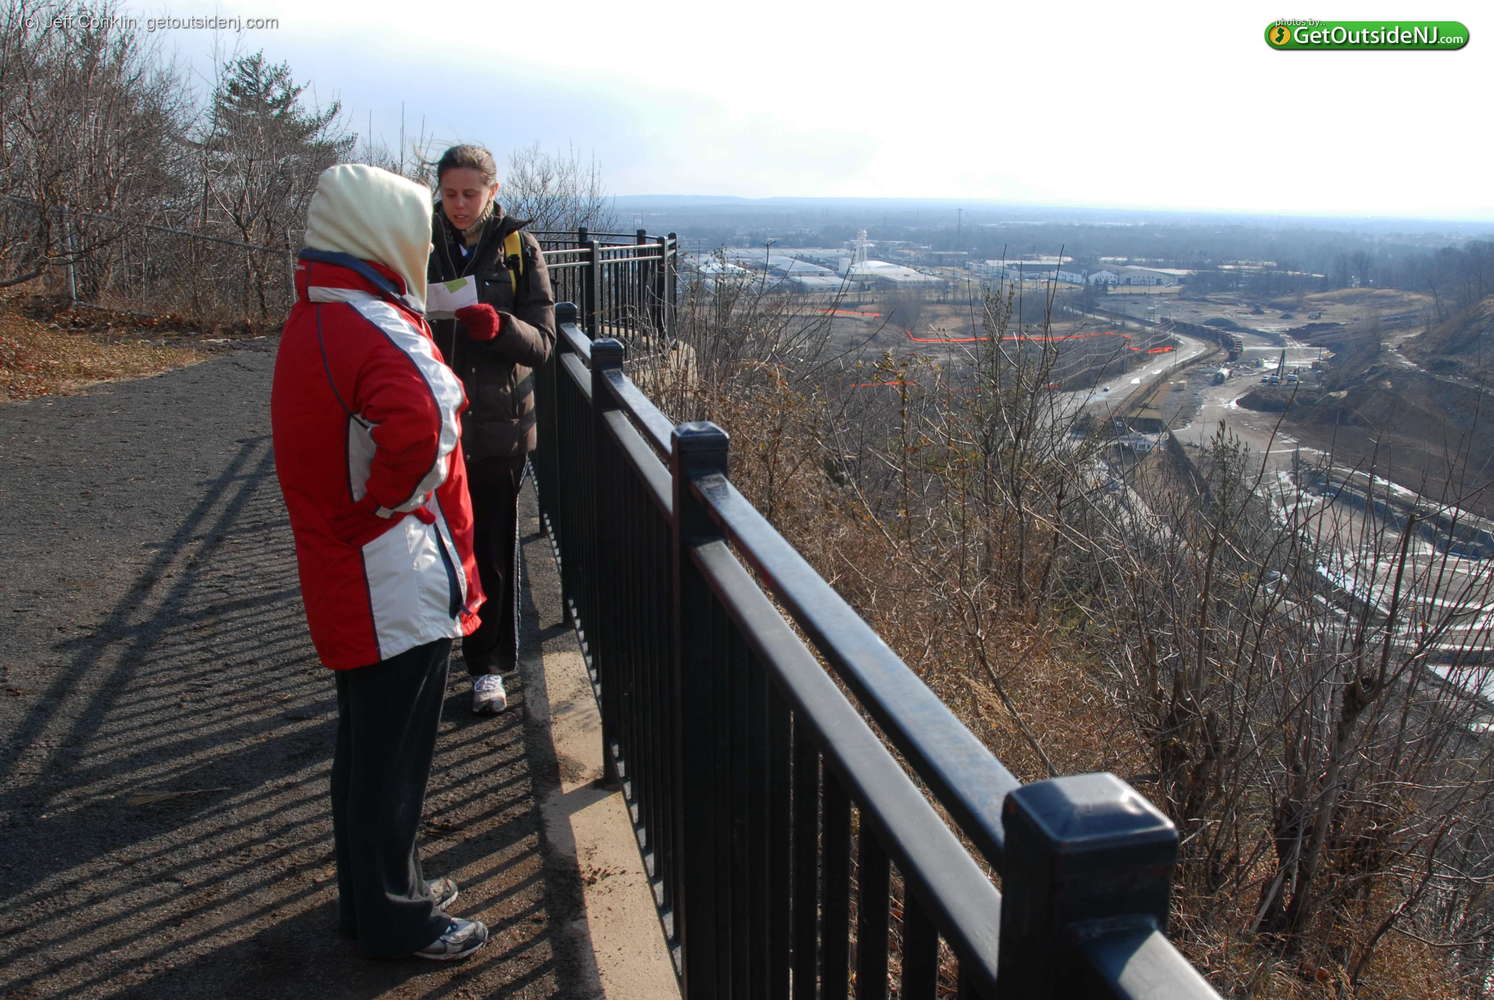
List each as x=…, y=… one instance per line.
x=495, y=348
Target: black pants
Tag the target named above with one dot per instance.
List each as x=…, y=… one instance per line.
x=387, y=715
x=494, y=486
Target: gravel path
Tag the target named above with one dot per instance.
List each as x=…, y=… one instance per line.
x=167, y=731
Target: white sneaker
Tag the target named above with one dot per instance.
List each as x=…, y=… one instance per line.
x=460, y=939
x=488, y=696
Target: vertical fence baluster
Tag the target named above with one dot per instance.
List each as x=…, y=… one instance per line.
x=730, y=774
x=777, y=874
x=617, y=291
x=658, y=289
x=643, y=759
x=544, y=458
x=836, y=858
x=758, y=832
x=568, y=450
x=872, y=870
x=806, y=914
x=653, y=584
x=592, y=300
x=606, y=357
x=697, y=450
x=637, y=273
x=920, y=978
x=671, y=284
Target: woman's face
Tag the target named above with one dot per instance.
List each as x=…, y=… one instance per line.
x=464, y=196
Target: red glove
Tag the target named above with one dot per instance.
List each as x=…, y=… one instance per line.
x=481, y=321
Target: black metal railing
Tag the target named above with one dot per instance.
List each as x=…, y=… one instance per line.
x=625, y=284
x=791, y=851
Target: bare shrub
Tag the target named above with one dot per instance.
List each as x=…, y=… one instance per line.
x=1292, y=665
x=1305, y=677
x=556, y=191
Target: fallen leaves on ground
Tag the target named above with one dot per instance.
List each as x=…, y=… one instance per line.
x=47, y=352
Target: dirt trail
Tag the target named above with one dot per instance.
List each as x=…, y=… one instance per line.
x=167, y=731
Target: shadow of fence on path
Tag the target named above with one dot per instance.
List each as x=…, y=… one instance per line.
x=164, y=797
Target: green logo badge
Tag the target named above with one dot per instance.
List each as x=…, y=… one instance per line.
x=1329, y=36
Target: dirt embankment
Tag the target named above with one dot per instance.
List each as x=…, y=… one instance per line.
x=50, y=348
x=1430, y=434
x=1417, y=413
x=1463, y=345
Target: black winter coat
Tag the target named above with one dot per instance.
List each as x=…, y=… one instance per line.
x=497, y=374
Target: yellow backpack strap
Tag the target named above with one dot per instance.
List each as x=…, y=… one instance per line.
x=513, y=256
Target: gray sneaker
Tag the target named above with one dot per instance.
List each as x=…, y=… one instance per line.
x=460, y=939
x=488, y=696
x=443, y=892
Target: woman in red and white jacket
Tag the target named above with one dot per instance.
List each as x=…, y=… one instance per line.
x=366, y=424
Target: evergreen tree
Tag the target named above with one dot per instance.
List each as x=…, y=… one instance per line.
x=262, y=152
x=264, y=149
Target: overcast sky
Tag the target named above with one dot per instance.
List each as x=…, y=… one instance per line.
x=1166, y=105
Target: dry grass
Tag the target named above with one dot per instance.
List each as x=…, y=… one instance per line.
x=1049, y=681
x=1381, y=298
x=49, y=349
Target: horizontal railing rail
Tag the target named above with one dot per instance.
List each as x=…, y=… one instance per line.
x=583, y=234
x=793, y=850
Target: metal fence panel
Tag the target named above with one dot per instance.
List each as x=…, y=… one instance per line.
x=791, y=852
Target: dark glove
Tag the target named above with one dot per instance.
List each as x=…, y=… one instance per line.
x=481, y=321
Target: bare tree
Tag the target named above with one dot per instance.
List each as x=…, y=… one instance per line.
x=1307, y=672
x=90, y=122
x=556, y=191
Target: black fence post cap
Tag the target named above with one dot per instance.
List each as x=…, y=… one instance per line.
x=699, y=435
x=1089, y=812
x=1087, y=847
x=607, y=353
x=699, y=448
x=566, y=312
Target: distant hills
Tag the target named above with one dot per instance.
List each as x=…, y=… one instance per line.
x=977, y=211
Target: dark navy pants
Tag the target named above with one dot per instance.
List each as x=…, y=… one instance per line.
x=387, y=715
x=493, y=484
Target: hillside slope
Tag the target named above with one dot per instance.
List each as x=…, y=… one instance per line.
x=1462, y=345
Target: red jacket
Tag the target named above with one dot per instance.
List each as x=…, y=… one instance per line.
x=365, y=418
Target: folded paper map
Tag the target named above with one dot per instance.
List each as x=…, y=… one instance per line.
x=444, y=298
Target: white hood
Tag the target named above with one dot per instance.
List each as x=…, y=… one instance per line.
x=373, y=215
